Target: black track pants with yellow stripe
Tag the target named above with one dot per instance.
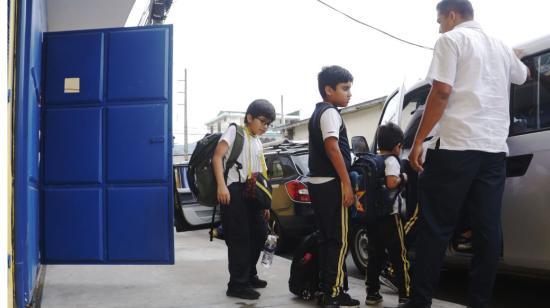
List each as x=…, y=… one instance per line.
x=387, y=233
x=333, y=221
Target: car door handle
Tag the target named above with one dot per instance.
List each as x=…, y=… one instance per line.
x=517, y=165
x=158, y=139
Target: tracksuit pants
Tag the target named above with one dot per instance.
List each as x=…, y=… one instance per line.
x=387, y=233
x=449, y=179
x=245, y=233
x=332, y=219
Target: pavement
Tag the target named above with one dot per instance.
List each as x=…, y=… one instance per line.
x=197, y=279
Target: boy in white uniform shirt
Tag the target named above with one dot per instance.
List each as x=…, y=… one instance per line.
x=244, y=225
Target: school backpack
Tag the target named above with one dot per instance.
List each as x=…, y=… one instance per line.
x=200, y=174
x=304, y=271
x=367, y=175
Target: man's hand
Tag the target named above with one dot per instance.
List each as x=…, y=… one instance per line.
x=349, y=197
x=266, y=214
x=415, y=157
x=223, y=195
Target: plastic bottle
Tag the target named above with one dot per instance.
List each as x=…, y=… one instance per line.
x=269, y=250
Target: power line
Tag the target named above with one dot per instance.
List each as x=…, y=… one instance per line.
x=372, y=27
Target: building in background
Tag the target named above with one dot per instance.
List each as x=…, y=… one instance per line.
x=361, y=120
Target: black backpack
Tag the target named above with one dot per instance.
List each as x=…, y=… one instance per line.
x=200, y=174
x=304, y=271
x=368, y=177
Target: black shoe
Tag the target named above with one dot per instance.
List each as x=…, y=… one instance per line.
x=244, y=293
x=341, y=300
x=257, y=283
x=388, y=279
x=373, y=299
x=404, y=300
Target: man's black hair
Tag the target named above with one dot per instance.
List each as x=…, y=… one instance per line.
x=388, y=136
x=462, y=7
x=261, y=108
x=331, y=76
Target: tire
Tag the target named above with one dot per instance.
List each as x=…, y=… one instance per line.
x=279, y=231
x=358, y=248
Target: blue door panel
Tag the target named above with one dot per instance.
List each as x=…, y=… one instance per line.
x=132, y=78
x=73, y=225
x=73, y=145
x=75, y=55
x=137, y=139
x=107, y=161
x=146, y=230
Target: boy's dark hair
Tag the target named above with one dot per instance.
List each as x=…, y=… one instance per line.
x=331, y=76
x=462, y=7
x=261, y=108
x=388, y=136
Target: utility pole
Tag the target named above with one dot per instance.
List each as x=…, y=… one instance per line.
x=282, y=116
x=185, y=144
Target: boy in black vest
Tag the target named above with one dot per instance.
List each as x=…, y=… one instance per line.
x=385, y=231
x=329, y=183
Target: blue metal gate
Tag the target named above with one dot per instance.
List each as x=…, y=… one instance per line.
x=107, y=146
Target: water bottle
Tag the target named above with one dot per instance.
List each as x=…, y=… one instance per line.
x=269, y=250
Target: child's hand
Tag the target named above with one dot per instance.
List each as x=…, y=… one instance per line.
x=349, y=197
x=223, y=195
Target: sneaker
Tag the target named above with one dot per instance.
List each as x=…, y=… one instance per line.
x=389, y=281
x=341, y=300
x=257, y=283
x=373, y=299
x=244, y=293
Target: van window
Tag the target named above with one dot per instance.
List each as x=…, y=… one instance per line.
x=530, y=102
x=391, y=112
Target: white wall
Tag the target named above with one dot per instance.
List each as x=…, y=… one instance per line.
x=360, y=123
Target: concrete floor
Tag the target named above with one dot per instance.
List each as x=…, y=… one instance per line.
x=198, y=279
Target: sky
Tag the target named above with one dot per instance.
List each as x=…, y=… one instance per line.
x=240, y=50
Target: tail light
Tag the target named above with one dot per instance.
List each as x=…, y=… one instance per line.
x=297, y=191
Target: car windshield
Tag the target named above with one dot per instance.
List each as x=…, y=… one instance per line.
x=301, y=163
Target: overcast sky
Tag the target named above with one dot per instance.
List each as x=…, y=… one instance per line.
x=239, y=50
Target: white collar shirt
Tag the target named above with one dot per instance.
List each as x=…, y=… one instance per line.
x=480, y=70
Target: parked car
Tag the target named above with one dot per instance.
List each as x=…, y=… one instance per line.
x=188, y=213
x=291, y=213
x=525, y=206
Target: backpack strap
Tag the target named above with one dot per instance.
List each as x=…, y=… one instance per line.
x=400, y=188
x=236, y=150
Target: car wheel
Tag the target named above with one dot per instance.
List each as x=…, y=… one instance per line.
x=277, y=229
x=358, y=247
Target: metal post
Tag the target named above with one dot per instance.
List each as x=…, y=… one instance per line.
x=282, y=117
x=185, y=145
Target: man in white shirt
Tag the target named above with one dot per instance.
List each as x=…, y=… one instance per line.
x=470, y=74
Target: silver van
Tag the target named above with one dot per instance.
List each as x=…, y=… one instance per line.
x=526, y=201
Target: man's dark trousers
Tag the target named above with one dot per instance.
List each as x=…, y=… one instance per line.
x=332, y=220
x=448, y=179
x=245, y=232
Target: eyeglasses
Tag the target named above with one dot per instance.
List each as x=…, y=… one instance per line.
x=264, y=121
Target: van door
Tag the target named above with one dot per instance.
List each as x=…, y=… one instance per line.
x=526, y=206
x=107, y=169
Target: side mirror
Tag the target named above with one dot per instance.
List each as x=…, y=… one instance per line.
x=359, y=145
